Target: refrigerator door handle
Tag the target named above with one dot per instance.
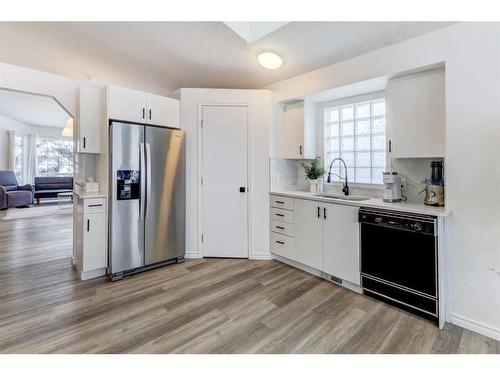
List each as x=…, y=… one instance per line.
x=148, y=177
x=142, y=202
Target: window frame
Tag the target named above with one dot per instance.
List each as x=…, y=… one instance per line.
x=72, y=159
x=321, y=131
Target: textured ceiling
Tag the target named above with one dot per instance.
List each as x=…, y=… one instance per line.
x=163, y=56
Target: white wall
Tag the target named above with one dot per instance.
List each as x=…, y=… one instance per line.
x=260, y=104
x=7, y=124
x=471, y=52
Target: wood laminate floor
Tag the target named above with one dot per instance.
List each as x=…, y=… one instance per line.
x=201, y=306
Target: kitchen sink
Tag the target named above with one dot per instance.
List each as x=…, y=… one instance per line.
x=354, y=198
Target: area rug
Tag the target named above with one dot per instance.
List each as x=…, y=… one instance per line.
x=35, y=211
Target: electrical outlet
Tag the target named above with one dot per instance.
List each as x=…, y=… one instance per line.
x=404, y=185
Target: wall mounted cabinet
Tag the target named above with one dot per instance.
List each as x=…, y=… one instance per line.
x=137, y=106
x=87, y=127
x=416, y=115
x=296, y=138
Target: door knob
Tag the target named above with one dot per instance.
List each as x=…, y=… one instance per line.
x=242, y=189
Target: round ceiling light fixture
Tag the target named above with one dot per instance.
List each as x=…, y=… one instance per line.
x=270, y=59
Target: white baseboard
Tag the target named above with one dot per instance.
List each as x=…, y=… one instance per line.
x=263, y=256
x=92, y=274
x=192, y=256
x=477, y=327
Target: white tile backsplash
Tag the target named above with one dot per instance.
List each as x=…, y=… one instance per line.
x=288, y=174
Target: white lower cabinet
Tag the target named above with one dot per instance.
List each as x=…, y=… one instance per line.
x=323, y=236
x=94, y=240
x=308, y=233
x=90, y=237
x=341, y=242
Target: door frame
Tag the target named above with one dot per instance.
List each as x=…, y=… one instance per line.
x=199, y=188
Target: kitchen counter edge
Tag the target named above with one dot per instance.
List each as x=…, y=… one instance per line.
x=414, y=208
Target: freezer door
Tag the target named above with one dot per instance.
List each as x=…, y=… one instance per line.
x=166, y=195
x=127, y=196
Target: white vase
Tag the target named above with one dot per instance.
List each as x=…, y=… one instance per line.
x=313, y=186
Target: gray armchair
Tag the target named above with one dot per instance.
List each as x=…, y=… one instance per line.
x=12, y=194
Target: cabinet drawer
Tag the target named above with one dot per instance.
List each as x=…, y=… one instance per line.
x=282, y=215
x=282, y=227
x=94, y=205
x=282, y=245
x=281, y=202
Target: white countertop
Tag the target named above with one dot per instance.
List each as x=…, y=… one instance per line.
x=416, y=208
x=84, y=195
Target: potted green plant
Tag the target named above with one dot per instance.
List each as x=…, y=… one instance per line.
x=313, y=171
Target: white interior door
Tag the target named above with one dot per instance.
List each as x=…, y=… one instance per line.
x=224, y=173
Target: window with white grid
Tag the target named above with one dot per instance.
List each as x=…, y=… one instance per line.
x=356, y=133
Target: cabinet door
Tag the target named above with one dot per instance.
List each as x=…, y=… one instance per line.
x=341, y=242
x=162, y=111
x=94, y=242
x=415, y=115
x=308, y=233
x=126, y=104
x=88, y=122
x=293, y=131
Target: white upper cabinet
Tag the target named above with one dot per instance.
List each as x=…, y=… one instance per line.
x=137, y=106
x=415, y=115
x=163, y=111
x=296, y=140
x=87, y=127
x=126, y=104
x=341, y=242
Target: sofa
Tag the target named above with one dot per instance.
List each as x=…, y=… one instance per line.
x=12, y=194
x=49, y=187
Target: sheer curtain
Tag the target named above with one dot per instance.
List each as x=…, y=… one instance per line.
x=11, y=164
x=30, y=166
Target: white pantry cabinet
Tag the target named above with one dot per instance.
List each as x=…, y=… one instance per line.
x=90, y=236
x=137, y=106
x=87, y=127
x=297, y=138
x=341, y=242
x=416, y=115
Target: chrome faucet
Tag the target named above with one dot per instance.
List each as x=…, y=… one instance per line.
x=345, y=189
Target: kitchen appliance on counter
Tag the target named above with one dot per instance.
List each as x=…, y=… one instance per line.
x=434, y=187
x=147, y=198
x=392, y=190
x=399, y=262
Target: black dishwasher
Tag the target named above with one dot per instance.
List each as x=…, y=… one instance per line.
x=399, y=263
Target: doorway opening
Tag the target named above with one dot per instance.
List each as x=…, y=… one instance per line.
x=36, y=184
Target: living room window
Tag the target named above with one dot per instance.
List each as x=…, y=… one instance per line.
x=54, y=157
x=355, y=131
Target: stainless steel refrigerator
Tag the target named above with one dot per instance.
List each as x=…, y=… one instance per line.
x=147, y=200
